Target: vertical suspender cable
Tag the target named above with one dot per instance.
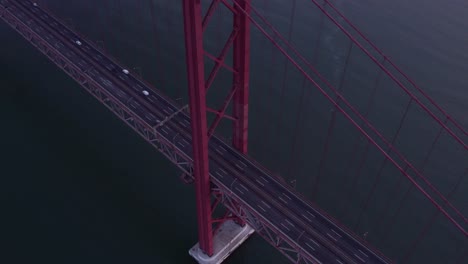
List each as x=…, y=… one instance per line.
x=285, y=73
x=423, y=166
x=370, y=103
x=398, y=69
x=331, y=126
x=429, y=223
x=296, y=129
x=382, y=166
x=366, y=122
x=427, y=195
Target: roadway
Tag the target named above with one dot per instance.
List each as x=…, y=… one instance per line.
x=318, y=235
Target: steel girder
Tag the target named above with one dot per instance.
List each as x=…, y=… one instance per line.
x=238, y=209
x=288, y=246
x=150, y=134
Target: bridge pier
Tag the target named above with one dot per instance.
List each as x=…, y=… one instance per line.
x=227, y=239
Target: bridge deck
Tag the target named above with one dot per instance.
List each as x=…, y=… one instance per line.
x=314, y=232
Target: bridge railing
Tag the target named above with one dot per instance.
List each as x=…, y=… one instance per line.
x=378, y=131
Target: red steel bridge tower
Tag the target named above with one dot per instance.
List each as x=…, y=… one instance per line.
x=284, y=217
x=195, y=23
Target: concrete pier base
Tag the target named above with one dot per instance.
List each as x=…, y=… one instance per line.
x=229, y=237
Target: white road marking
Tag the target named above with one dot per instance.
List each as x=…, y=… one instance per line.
x=311, y=214
x=337, y=260
x=282, y=200
x=291, y=224
x=223, y=171
x=315, y=242
x=335, y=232
x=164, y=130
x=185, y=141
x=120, y=93
x=263, y=209
x=180, y=144
x=359, y=258
x=310, y=246
x=285, y=227
x=186, y=121
x=219, y=151
x=265, y=180
x=219, y=174
x=265, y=204
x=239, y=166
x=363, y=253
x=242, y=185
x=307, y=218
x=237, y=188
x=318, y=261
x=242, y=163
x=332, y=237
x=261, y=183
x=287, y=196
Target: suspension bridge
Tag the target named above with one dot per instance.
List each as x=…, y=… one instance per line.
x=237, y=195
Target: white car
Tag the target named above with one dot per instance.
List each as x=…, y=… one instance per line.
x=145, y=92
x=125, y=71
x=34, y=4
x=78, y=43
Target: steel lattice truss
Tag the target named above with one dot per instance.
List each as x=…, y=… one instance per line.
x=150, y=134
x=238, y=209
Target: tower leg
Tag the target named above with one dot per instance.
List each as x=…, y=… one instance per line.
x=213, y=249
x=241, y=79
x=196, y=85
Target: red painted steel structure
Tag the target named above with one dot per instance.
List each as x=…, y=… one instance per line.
x=239, y=94
x=291, y=53
x=241, y=79
x=239, y=38
x=238, y=209
x=196, y=85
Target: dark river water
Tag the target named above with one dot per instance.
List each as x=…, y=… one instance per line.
x=78, y=186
